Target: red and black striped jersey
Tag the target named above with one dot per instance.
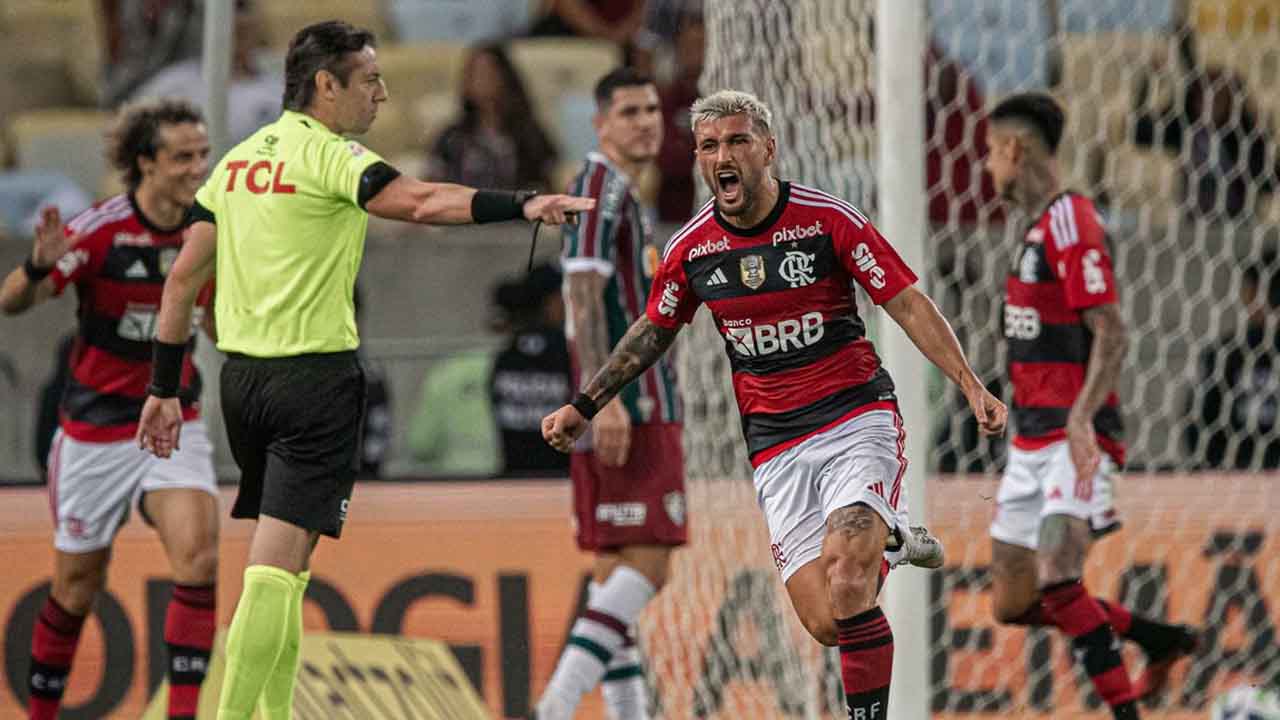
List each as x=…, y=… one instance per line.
x=118, y=267
x=1062, y=269
x=781, y=295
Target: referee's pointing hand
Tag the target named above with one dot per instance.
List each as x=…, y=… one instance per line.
x=556, y=209
x=160, y=425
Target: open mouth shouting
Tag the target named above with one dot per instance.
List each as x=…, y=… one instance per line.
x=729, y=186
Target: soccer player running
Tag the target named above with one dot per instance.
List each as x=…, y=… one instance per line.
x=117, y=254
x=633, y=457
x=283, y=218
x=775, y=262
x=1067, y=343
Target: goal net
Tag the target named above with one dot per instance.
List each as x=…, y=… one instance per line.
x=1172, y=128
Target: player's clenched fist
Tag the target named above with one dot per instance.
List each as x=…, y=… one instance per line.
x=561, y=428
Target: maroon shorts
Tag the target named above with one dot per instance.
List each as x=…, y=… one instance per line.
x=640, y=503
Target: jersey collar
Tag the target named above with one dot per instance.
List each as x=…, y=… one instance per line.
x=784, y=193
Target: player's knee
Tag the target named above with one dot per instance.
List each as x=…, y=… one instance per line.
x=196, y=564
x=852, y=580
x=76, y=588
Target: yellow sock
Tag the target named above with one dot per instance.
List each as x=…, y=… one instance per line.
x=277, y=696
x=256, y=638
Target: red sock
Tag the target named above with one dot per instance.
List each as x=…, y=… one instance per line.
x=1093, y=643
x=53, y=645
x=189, y=626
x=1118, y=615
x=866, y=663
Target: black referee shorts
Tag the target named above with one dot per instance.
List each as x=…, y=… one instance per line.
x=294, y=427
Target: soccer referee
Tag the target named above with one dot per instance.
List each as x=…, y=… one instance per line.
x=283, y=217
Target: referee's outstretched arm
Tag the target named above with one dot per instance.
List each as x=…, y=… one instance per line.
x=429, y=203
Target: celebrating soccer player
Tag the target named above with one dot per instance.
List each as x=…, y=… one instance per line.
x=117, y=254
x=283, y=217
x=633, y=458
x=775, y=262
x=1067, y=344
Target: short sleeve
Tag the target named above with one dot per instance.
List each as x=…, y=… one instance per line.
x=870, y=259
x=671, y=300
x=590, y=243
x=81, y=262
x=1077, y=252
x=340, y=165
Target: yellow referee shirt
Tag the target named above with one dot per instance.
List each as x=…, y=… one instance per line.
x=290, y=239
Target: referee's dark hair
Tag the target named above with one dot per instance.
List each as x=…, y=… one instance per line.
x=136, y=133
x=1038, y=111
x=619, y=78
x=322, y=46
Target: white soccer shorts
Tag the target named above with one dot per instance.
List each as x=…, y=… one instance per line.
x=858, y=461
x=1040, y=483
x=93, y=484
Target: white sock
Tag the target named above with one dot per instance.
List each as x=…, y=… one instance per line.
x=597, y=635
x=625, y=694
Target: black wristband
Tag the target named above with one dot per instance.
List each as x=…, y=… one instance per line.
x=166, y=368
x=585, y=405
x=498, y=205
x=35, y=274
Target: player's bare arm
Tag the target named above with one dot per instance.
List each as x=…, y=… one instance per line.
x=430, y=203
x=161, y=422
x=611, y=438
x=916, y=314
x=20, y=292
x=640, y=348
x=1106, y=360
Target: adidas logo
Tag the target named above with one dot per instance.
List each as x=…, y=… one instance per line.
x=717, y=278
x=137, y=270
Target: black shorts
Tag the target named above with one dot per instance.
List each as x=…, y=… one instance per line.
x=294, y=427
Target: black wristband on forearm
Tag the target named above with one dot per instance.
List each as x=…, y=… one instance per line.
x=166, y=368
x=34, y=274
x=498, y=205
x=585, y=405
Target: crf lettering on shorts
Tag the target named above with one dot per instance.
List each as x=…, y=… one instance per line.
x=769, y=338
x=667, y=305
x=626, y=514
x=872, y=713
x=1021, y=323
x=792, y=234
x=866, y=263
x=258, y=175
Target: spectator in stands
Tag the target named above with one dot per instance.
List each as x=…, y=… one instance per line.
x=496, y=140
x=675, y=159
x=530, y=376
x=143, y=36
x=253, y=96
x=617, y=21
x=1214, y=128
x=1236, y=400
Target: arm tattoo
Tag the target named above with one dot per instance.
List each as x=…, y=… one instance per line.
x=1106, y=356
x=590, y=329
x=639, y=349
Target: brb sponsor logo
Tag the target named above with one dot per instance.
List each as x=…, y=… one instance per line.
x=1021, y=323
x=793, y=234
x=769, y=338
x=866, y=263
x=670, y=299
x=709, y=247
x=626, y=514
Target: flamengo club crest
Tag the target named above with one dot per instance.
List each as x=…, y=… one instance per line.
x=797, y=268
x=752, y=267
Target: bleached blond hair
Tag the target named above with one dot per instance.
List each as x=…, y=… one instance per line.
x=726, y=103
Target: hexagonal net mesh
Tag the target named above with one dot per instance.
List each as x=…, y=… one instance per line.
x=1172, y=130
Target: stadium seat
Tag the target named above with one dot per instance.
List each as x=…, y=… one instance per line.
x=58, y=58
x=1256, y=60
x=1098, y=76
x=555, y=67
x=412, y=70
x=467, y=22
x=64, y=140
x=1234, y=17
x=282, y=19
x=1147, y=181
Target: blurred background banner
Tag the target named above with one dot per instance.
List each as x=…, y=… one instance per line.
x=481, y=567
